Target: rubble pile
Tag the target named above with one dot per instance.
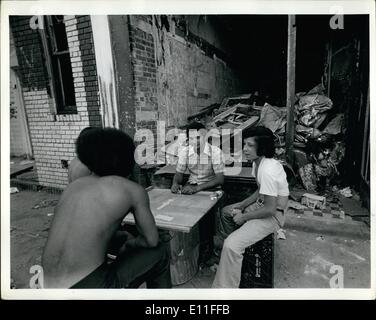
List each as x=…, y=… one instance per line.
x=318, y=145
x=318, y=142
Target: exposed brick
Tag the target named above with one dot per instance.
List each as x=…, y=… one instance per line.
x=54, y=140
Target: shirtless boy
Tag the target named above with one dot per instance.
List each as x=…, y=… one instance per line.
x=89, y=214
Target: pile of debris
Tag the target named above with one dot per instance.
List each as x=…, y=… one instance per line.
x=230, y=114
x=239, y=112
x=245, y=111
x=318, y=146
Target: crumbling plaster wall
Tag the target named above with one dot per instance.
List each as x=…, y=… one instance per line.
x=188, y=75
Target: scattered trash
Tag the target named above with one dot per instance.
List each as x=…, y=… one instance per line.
x=14, y=190
x=335, y=126
x=346, y=192
x=295, y=205
x=307, y=175
x=355, y=195
x=281, y=234
x=320, y=238
x=26, y=162
x=273, y=118
x=45, y=204
x=215, y=195
x=313, y=201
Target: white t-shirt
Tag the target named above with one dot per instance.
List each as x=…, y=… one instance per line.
x=271, y=178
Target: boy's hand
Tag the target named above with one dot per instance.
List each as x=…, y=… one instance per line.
x=175, y=188
x=189, y=189
x=129, y=242
x=239, y=219
x=235, y=211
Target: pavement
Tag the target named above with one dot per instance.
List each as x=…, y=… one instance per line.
x=313, y=252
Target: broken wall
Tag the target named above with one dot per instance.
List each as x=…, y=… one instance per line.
x=179, y=68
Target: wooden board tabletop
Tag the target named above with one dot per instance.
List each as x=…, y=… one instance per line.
x=177, y=212
x=245, y=172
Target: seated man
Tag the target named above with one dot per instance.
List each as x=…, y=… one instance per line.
x=205, y=165
x=245, y=223
x=205, y=168
x=90, y=212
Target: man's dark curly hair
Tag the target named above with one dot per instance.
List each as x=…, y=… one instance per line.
x=106, y=151
x=264, y=138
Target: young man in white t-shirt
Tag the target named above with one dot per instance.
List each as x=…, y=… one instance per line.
x=245, y=223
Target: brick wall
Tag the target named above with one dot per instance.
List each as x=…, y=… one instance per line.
x=52, y=136
x=174, y=76
x=145, y=73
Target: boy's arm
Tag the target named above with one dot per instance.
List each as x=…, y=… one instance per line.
x=177, y=181
x=269, y=209
x=148, y=233
x=247, y=201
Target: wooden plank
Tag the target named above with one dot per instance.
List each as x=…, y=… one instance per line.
x=290, y=91
x=226, y=100
x=105, y=71
x=177, y=212
x=224, y=114
x=17, y=169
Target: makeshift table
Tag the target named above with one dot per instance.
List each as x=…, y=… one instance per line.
x=180, y=215
x=237, y=186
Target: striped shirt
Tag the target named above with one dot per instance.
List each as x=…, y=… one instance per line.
x=201, y=168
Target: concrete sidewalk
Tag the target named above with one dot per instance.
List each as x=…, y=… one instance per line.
x=303, y=260
x=314, y=251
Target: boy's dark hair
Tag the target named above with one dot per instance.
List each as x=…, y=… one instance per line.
x=264, y=139
x=106, y=151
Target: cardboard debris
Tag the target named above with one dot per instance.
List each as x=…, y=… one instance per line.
x=13, y=190
x=281, y=234
x=346, y=192
x=46, y=203
x=313, y=201
x=295, y=205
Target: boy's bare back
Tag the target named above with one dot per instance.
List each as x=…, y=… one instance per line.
x=86, y=217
